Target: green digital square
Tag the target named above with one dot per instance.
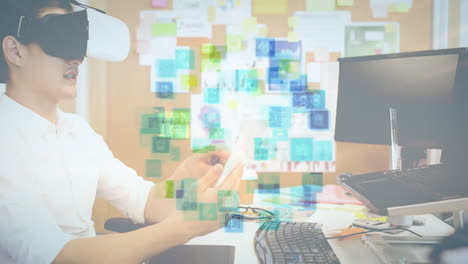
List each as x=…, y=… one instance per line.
x=164, y=29
x=169, y=189
x=151, y=124
x=208, y=212
x=161, y=145
x=153, y=168
x=189, y=200
x=216, y=133
x=175, y=154
x=235, y=43
x=228, y=201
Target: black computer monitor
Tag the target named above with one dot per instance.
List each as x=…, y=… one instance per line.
x=427, y=88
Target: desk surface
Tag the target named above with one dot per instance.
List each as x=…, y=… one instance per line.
x=349, y=251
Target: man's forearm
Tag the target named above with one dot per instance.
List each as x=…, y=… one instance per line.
x=157, y=207
x=131, y=247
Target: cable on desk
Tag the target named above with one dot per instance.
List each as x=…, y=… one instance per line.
x=375, y=230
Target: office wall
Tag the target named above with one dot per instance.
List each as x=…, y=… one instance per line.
x=120, y=94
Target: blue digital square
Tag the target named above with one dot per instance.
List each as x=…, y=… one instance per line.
x=279, y=117
x=164, y=90
x=317, y=99
x=299, y=85
x=179, y=194
x=302, y=149
x=211, y=118
x=269, y=188
x=212, y=96
x=319, y=120
x=309, y=201
x=286, y=49
x=302, y=101
x=323, y=150
x=264, y=47
x=233, y=225
x=246, y=80
x=185, y=59
x=261, y=149
x=166, y=68
x=280, y=134
x=274, y=81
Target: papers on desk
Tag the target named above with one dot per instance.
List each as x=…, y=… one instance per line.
x=294, y=196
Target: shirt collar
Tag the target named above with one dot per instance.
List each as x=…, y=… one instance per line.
x=30, y=122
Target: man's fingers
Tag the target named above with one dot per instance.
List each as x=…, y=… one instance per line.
x=210, y=177
x=219, y=156
x=231, y=182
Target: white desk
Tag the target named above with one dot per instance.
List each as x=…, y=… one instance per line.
x=349, y=250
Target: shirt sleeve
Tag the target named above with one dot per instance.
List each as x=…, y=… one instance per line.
x=119, y=184
x=28, y=232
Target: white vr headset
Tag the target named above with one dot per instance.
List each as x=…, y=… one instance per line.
x=89, y=32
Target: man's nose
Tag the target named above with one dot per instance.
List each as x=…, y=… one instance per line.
x=75, y=62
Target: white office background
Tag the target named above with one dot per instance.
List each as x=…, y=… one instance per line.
x=440, y=41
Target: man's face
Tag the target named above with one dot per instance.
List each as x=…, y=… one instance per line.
x=50, y=77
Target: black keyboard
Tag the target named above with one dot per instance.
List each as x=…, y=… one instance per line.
x=293, y=242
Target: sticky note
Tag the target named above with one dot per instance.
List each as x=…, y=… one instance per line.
x=164, y=29
x=390, y=27
x=235, y=43
x=313, y=72
x=159, y=3
x=321, y=55
x=211, y=14
x=262, y=31
x=399, y=7
x=270, y=7
x=143, y=47
x=292, y=36
x=320, y=5
x=292, y=21
x=345, y=2
x=249, y=25
x=374, y=36
x=143, y=33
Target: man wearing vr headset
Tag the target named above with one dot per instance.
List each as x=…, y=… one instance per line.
x=52, y=164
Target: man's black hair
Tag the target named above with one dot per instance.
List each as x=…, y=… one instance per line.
x=10, y=13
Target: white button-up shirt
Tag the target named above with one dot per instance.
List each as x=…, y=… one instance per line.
x=49, y=178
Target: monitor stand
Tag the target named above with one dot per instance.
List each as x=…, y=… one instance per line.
x=404, y=220
x=433, y=157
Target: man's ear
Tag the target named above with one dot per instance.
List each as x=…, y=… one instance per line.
x=13, y=50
